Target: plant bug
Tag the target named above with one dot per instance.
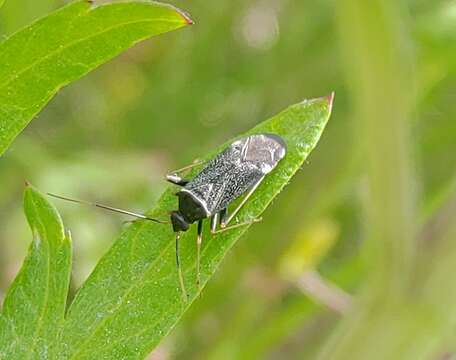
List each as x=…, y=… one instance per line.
x=237, y=170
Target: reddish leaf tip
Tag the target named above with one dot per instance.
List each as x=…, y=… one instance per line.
x=186, y=17
x=330, y=100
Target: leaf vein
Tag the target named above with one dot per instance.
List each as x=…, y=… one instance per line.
x=61, y=49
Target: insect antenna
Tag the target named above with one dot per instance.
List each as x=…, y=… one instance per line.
x=110, y=208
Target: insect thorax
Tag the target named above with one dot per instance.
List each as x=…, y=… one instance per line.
x=190, y=207
x=220, y=184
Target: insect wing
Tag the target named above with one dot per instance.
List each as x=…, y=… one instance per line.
x=221, y=181
x=235, y=170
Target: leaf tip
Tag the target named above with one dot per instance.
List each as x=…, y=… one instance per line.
x=183, y=14
x=186, y=16
x=330, y=100
x=27, y=184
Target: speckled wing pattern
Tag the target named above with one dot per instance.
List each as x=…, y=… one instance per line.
x=222, y=181
x=235, y=170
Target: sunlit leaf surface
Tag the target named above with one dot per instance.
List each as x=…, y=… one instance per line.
x=60, y=48
x=34, y=307
x=133, y=299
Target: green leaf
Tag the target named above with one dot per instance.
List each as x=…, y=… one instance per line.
x=132, y=299
x=62, y=47
x=2, y=2
x=34, y=307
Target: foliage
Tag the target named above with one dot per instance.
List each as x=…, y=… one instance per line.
x=132, y=299
x=34, y=308
x=66, y=45
x=382, y=182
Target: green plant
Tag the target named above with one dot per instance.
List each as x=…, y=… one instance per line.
x=65, y=45
x=383, y=174
x=132, y=299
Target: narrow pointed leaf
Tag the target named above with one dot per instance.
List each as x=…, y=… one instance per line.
x=34, y=307
x=62, y=47
x=133, y=299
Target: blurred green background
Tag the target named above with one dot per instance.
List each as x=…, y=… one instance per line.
x=112, y=136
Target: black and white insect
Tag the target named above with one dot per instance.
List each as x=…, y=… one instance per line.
x=237, y=170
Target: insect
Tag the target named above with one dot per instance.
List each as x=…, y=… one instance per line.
x=237, y=170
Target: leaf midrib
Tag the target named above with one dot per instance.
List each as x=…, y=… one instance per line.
x=70, y=44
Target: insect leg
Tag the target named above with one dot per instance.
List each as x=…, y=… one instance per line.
x=223, y=216
x=226, y=228
x=214, y=220
x=199, y=240
x=225, y=222
x=174, y=178
x=179, y=269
